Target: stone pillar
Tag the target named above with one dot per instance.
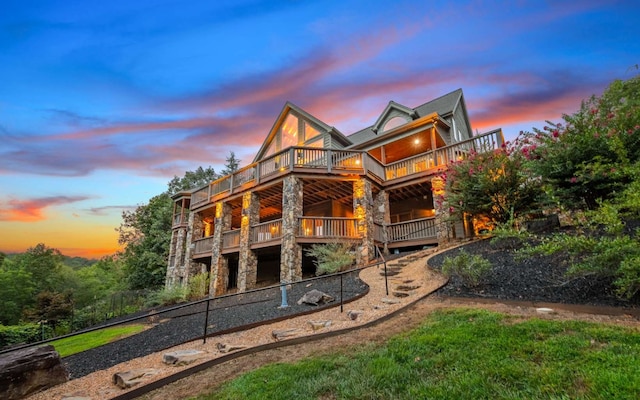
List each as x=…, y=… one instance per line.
x=291, y=251
x=363, y=211
x=382, y=216
x=248, y=262
x=191, y=233
x=170, y=277
x=442, y=217
x=222, y=222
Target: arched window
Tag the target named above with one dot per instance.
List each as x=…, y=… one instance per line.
x=394, y=123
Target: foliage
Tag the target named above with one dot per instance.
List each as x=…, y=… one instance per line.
x=470, y=268
x=463, y=354
x=332, y=257
x=191, y=180
x=51, y=308
x=231, y=164
x=198, y=286
x=25, y=333
x=587, y=159
x=85, y=341
x=166, y=297
x=494, y=184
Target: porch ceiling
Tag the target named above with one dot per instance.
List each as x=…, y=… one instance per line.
x=412, y=191
x=316, y=191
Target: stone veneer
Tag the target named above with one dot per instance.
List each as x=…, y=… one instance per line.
x=248, y=262
x=219, y=278
x=363, y=211
x=291, y=251
x=442, y=217
x=382, y=216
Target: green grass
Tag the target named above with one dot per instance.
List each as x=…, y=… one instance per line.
x=76, y=344
x=464, y=354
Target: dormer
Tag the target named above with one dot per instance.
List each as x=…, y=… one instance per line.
x=393, y=116
x=296, y=127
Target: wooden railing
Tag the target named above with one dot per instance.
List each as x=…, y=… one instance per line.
x=328, y=227
x=357, y=162
x=378, y=233
x=231, y=239
x=266, y=231
x=203, y=245
x=412, y=230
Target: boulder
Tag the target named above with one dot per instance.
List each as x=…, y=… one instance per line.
x=128, y=379
x=354, y=314
x=315, y=297
x=182, y=357
x=26, y=371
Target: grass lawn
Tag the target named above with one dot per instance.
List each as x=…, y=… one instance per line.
x=464, y=354
x=86, y=341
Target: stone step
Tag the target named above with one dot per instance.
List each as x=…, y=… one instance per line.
x=402, y=293
x=408, y=286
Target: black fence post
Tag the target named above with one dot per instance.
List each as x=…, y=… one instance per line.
x=206, y=322
x=341, y=295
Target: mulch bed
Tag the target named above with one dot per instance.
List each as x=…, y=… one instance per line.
x=540, y=278
x=187, y=324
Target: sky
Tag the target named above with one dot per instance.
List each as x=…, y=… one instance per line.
x=103, y=102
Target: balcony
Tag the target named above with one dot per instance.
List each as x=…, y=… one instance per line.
x=315, y=228
x=414, y=232
x=202, y=247
x=266, y=233
x=330, y=161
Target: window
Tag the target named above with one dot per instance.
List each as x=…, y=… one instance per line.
x=394, y=123
x=289, y=132
x=309, y=131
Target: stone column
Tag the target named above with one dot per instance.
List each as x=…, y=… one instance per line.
x=291, y=251
x=363, y=211
x=442, y=217
x=170, y=277
x=248, y=262
x=191, y=233
x=382, y=216
x=219, y=268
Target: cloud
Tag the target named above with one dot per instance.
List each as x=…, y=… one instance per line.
x=100, y=211
x=32, y=210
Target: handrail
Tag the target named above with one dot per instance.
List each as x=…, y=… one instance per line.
x=408, y=224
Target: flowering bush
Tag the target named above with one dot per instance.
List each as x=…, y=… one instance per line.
x=493, y=184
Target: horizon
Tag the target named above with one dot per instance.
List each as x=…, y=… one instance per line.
x=104, y=103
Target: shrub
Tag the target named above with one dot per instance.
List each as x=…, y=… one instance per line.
x=332, y=257
x=166, y=297
x=198, y=285
x=26, y=333
x=470, y=268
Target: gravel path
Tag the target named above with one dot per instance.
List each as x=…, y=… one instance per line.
x=179, y=326
x=540, y=278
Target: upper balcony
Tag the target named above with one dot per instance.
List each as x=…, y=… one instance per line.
x=332, y=161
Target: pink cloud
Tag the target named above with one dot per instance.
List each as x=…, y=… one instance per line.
x=32, y=210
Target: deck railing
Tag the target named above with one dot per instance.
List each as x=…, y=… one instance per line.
x=203, y=245
x=328, y=227
x=267, y=231
x=355, y=161
x=231, y=239
x=412, y=230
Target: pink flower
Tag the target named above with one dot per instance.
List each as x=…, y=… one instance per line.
x=556, y=133
x=573, y=179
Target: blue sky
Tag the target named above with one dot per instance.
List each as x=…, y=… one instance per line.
x=102, y=103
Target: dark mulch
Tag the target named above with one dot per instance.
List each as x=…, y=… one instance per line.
x=540, y=278
x=186, y=324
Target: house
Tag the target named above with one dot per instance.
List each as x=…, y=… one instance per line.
x=309, y=183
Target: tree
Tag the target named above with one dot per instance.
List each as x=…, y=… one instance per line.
x=231, y=165
x=192, y=179
x=145, y=232
x=492, y=184
x=588, y=158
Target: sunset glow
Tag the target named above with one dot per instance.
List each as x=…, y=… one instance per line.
x=102, y=103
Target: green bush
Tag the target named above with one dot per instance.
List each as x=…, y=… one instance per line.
x=332, y=257
x=166, y=297
x=198, y=285
x=27, y=333
x=470, y=268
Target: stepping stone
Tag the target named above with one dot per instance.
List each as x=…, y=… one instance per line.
x=391, y=271
x=380, y=307
x=317, y=325
x=408, y=287
x=354, y=314
x=182, y=357
x=544, y=310
x=402, y=293
x=284, y=333
x=128, y=379
x=389, y=301
x=228, y=348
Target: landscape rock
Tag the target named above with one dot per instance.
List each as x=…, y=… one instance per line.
x=26, y=371
x=402, y=293
x=228, y=348
x=545, y=310
x=354, y=314
x=315, y=297
x=317, y=325
x=284, y=333
x=389, y=301
x=128, y=379
x=182, y=357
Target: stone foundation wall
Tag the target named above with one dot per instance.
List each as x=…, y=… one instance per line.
x=291, y=251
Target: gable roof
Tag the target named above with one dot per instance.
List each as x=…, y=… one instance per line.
x=444, y=106
x=305, y=115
